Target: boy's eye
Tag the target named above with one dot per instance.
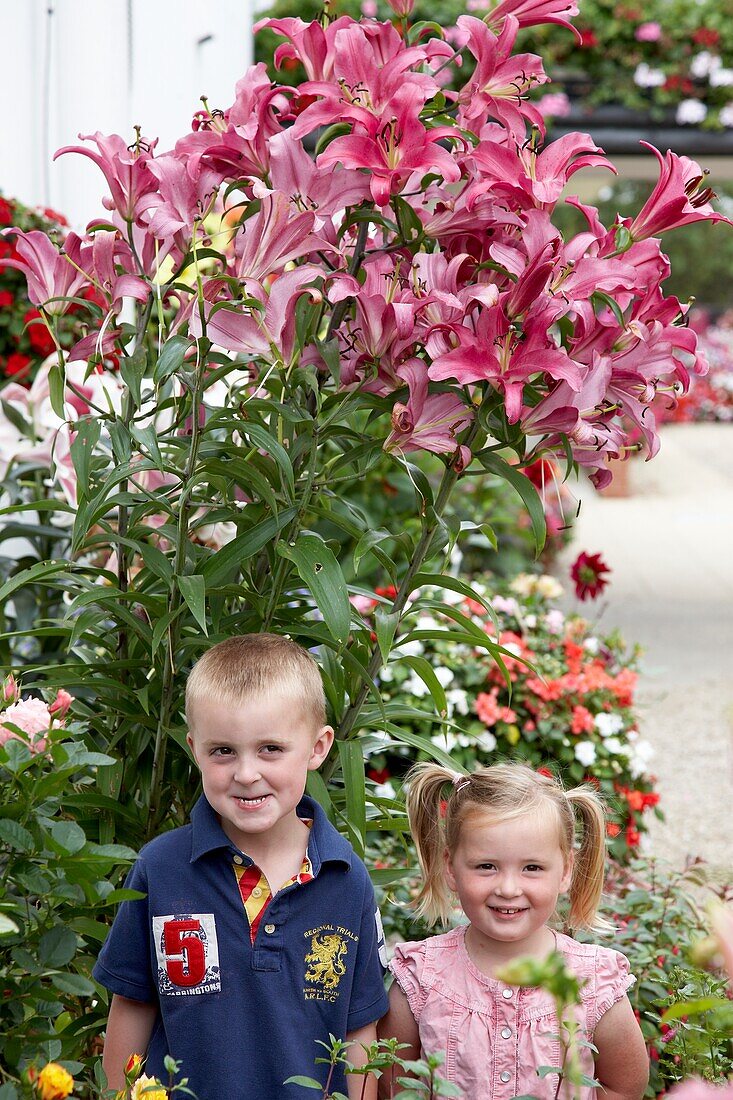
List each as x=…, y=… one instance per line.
x=270, y=750
x=221, y=750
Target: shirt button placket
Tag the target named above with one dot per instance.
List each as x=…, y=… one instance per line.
x=506, y=1050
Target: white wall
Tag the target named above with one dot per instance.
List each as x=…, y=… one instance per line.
x=77, y=66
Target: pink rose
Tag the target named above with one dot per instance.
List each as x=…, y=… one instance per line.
x=32, y=717
x=648, y=32
x=60, y=706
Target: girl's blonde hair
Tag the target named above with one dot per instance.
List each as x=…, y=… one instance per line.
x=439, y=802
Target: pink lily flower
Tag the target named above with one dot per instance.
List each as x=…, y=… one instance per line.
x=124, y=167
x=677, y=199
x=500, y=79
x=327, y=193
x=271, y=238
x=428, y=422
x=52, y=275
x=530, y=13
x=372, y=68
x=496, y=352
x=310, y=43
x=393, y=147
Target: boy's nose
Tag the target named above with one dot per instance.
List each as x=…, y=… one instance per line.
x=247, y=771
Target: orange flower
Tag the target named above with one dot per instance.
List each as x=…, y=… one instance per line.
x=54, y=1082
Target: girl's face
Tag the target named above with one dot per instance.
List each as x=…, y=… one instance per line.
x=508, y=876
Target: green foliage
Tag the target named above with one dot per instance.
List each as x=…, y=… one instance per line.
x=659, y=919
x=56, y=891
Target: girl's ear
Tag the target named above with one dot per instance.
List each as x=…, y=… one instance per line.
x=450, y=878
x=567, y=877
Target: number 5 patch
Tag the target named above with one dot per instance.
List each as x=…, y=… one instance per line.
x=188, y=954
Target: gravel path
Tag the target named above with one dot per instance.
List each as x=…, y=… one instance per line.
x=670, y=546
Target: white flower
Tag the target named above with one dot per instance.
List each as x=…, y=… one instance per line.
x=690, y=111
x=530, y=621
x=449, y=741
x=592, y=645
x=408, y=649
x=608, y=724
x=524, y=584
x=415, y=686
x=721, y=78
x=585, y=753
x=642, y=754
x=457, y=700
x=554, y=621
x=646, y=77
x=443, y=676
x=427, y=622
x=386, y=675
x=450, y=597
x=385, y=790
x=548, y=587
x=726, y=115
x=486, y=741
x=508, y=605
x=703, y=64
x=613, y=746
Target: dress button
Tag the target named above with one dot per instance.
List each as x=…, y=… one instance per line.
x=257, y=892
x=269, y=928
x=506, y=1033
x=505, y=1076
x=238, y=860
x=506, y=994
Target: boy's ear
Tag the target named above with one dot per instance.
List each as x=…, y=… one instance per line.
x=321, y=747
x=189, y=742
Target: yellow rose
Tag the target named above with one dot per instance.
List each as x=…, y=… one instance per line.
x=148, y=1088
x=54, y=1082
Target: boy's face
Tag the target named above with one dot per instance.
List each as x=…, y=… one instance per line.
x=254, y=757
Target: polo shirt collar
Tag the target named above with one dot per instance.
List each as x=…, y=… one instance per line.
x=325, y=844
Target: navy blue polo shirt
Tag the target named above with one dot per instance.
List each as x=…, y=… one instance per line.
x=243, y=1017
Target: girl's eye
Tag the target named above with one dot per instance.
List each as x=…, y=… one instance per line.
x=533, y=867
x=487, y=866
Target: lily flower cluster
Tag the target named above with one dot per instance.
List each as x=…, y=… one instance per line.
x=30, y=720
x=413, y=257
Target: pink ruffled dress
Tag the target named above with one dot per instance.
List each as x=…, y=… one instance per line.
x=493, y=1036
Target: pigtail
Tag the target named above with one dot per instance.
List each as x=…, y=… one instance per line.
x=425, y=786
x=589, y=867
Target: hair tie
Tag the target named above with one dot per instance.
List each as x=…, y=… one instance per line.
x=460, y=781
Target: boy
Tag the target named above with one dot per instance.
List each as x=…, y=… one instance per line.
x=258, y=934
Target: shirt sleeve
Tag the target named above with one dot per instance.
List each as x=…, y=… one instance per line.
x=369, y=1001
x=408, y=965
x=123, y=965
x=613, y=979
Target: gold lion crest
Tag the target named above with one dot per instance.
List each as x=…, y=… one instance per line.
x=325, y=960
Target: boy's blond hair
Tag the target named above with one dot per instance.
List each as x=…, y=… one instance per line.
x=249, y=665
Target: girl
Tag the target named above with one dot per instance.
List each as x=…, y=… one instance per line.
x=503, y=841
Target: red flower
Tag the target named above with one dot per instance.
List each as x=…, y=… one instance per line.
x=545, y=771
x=379, y=775
x=6, y=299
x=705, y=36
x=587, y=573
x=633, y=836
x=582, y=721
x=39, y=337
x=588, y=40
x=6, y=212
x=17, y=364
x=612, y=829
x=388, y=590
